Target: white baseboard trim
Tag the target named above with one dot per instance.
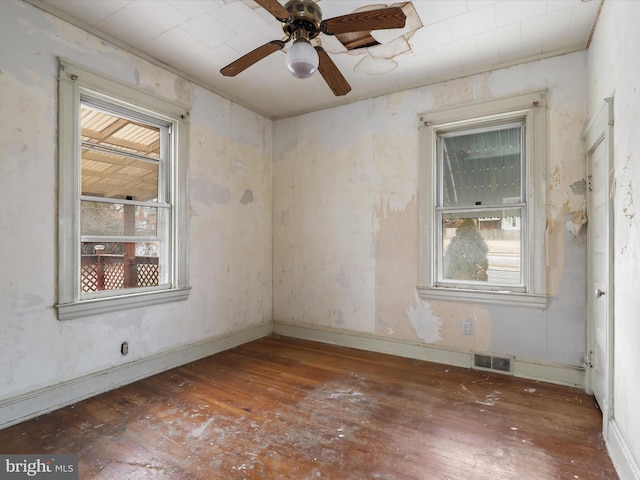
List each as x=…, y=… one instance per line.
x=621, y=455
x=373, y=343
x=549, y=372
x=23, y=407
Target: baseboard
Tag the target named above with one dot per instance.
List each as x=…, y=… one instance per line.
x=22, y=407
x=363, y=341
x=621, y=455
x=550, y=372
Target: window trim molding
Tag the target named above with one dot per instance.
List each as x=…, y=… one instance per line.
x=73, y=80
x=533, y=107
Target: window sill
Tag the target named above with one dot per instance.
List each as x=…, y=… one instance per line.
x=97, y=306
x=476, y=296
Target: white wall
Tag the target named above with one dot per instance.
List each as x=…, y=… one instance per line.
x=345, y=215
x=229, y=240
x=346, y=220
x=614, y=70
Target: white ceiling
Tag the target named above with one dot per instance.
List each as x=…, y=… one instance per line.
x=198, y=37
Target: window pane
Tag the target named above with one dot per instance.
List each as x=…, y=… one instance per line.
x=116, y=176
x=116, y=219
x=482, y=168
x=119, y=156
x=482, y=247
x=118, y=265
x=105, y=129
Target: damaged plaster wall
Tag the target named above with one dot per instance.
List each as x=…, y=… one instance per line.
x=346, y=223
x=615, y=72
x=229, y=226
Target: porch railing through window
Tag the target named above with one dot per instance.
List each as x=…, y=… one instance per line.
x=111, y=274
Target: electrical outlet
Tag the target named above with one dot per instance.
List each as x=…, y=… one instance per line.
x=124, y=348
x=466, y=327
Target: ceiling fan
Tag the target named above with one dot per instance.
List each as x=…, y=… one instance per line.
x=302, y=22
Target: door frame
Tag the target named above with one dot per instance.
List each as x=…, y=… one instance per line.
x=599, y=130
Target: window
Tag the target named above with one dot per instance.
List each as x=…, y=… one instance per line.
x=483, y=202
x=122, y=196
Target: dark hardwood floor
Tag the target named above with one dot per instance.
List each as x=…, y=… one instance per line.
x=280, y=408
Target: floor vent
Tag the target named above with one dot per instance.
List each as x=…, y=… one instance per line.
x=493, y=362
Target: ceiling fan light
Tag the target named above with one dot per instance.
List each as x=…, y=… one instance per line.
x=302, y=58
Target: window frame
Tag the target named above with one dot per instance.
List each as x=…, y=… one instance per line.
x=532, y=108
x=163, y=203
x=517, y=203
x=76, y=82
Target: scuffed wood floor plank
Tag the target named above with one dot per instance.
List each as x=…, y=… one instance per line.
x=280, y=408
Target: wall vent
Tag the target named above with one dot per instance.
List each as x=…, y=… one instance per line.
x=493, y=362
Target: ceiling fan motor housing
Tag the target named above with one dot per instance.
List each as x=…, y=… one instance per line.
x=305, y=17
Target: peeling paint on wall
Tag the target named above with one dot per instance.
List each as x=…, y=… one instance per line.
x=578, y=219
x=463, y=90
x=247, y=197
x=613, y=68
x=332, y=268
x=426, y=325
x=628, y=208
x=579, y=187
x=555, y=178
x=323, y=242
x=555, y=253
x=37, y=350
x=397, y=254
x=453, y=314
x=203, y=190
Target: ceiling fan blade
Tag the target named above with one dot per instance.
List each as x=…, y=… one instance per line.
x=252, y=57
x=329, y=71
x=379, y=19
x=275, y=9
